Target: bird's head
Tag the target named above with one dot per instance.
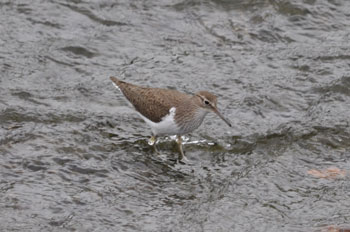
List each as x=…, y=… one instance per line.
x=208, y=102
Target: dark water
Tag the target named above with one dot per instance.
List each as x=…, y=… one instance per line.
x=74, y=156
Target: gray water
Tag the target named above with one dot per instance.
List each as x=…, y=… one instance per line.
x=75, y=157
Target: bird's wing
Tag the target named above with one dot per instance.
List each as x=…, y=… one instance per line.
x=153, y=103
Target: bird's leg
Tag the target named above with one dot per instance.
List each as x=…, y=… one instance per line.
x=182, y=156
x=153, y=141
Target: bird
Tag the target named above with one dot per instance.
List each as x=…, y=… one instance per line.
x=169, y=112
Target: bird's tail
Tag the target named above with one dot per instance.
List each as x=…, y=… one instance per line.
x=116, y=82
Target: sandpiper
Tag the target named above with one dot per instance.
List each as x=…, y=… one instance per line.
x=169, y=112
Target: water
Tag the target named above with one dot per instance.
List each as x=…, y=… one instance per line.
x=75, y=157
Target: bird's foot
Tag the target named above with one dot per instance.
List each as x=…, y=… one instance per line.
x=183, y=160
x=152, y=141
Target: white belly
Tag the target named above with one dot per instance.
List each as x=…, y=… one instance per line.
x=166, y=126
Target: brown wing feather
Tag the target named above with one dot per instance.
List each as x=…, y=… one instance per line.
x=153, y=103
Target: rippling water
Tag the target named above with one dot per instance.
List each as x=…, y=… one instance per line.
x=75, y=157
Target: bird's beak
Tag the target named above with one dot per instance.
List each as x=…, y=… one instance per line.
x=222, y=117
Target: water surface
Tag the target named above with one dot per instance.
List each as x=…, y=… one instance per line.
x=75, y=157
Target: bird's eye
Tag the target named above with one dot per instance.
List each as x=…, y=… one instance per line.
x=206, y=102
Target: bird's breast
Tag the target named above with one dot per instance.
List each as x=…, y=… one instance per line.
x=190, y=122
